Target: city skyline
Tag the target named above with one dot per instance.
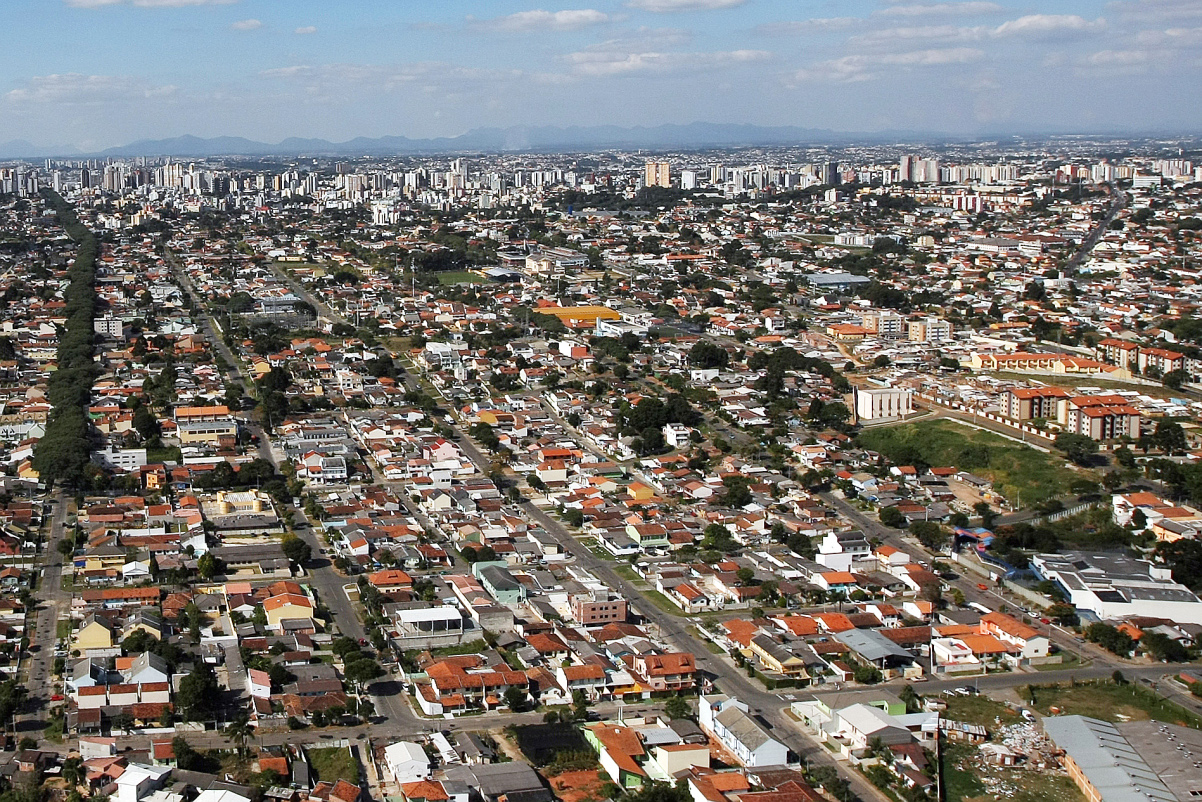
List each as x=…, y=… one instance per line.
x=93, y=74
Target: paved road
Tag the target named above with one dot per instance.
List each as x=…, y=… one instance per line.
x=320, y=573
x=968, y=585
x=768, y=707
x=54, y=604
x=1095, y=236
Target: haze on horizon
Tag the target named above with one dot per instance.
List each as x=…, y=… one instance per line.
x=92, y=74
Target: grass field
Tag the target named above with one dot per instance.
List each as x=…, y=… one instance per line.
x=63, y=628
x=460, y=277
x=662, y=602
x=332, y=765
x=300, y=266
x=1110, y=702
x=1015, y=470
x=626, y=572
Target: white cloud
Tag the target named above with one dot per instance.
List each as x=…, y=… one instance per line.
x=247, y=25
x=669, y=6
x=539, y=20
x=1044, y=24
x=1172, y=37
x=936, y=9
x=800, y=27
x=1158, y=10
x=75, y=89
x=867, y=67
x=1114, y=63
x=148, y=3
x=594, y=63
x=306, y=29
x=934, y=34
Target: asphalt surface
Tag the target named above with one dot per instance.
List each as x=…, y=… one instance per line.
x=54, y=604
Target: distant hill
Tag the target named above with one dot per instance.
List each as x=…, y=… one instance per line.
x=517, y=138
x=23, y=149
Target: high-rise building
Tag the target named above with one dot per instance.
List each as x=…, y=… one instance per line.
x=830, y=174
x=659, y=174
x=905, y=169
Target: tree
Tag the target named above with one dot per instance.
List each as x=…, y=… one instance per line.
x=515, y=698
x=580, y=705
x=1063, y=614
x=186, y=757
x=868, y=675
x=1124, y=457
x=911, y=698
x=146, y=423
x=1175, y=378
x=1077, y=447
x=239, y=731
x=1163, y=648
x=1109, y=638
x=208, y=566
x=892, y=516
x=929, y=534
x=296, y=550
x=745, y=575
x=677, y=707
x=363, y=671
x=986, y=513
x=1169, y=437
x=197, y=692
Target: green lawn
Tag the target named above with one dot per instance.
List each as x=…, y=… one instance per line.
x=1015, y=470
x=299, y=266
x=1110, y=702
x=460, y=277
x=626, y=572
x=154, y=455
x=63, y=628
x=662, y=602
x=332, y=765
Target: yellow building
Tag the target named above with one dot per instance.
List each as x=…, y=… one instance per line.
x=95, y=633
x=206, y=431
x=579, y=317
x=287, y=606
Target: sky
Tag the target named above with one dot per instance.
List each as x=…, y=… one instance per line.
x=99, y=73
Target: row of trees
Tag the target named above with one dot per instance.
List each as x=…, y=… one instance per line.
x=62, y=453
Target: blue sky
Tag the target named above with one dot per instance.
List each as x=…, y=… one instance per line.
x=97, y=73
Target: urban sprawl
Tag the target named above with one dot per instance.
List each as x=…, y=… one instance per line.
x=755, y=475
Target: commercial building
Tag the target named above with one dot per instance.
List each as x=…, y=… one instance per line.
x=1103, y=763
x=883, y=403
x=1116, y=586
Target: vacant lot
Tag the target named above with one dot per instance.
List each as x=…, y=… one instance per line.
x=333, y=765
x=970, y=779
x=578, y=786
x=979, y=710
x=1110, y=702
x=543, y=743
x=1015, y=470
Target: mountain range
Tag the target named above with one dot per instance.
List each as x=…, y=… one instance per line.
x=514, y=139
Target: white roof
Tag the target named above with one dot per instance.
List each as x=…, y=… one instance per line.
x=402, y=751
